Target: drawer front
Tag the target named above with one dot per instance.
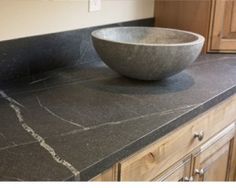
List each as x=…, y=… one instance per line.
x=148, y=163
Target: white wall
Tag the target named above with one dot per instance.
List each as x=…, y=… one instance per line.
x=21, y=18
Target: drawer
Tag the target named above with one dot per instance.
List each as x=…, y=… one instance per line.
x=148, y=163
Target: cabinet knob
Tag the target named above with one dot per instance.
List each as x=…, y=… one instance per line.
x=199, y=172
x=199, y=135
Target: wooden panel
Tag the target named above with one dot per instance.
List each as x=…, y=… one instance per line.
x=214, y=159
x=233, y=22
x=228, y=30
x=190, y=15
x=154, y=159
x=109, y=175
x=223, y=28
x=217, y=169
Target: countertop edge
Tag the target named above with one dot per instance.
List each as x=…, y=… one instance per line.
x=108, y=162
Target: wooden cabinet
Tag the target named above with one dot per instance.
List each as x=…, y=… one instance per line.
x=214, y=19
x=206, y=151
x=213, y=161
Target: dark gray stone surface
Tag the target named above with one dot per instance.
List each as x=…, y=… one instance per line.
x=31, y=55
x=73, y=123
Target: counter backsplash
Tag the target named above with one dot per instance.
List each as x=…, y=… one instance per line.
x=27, y=56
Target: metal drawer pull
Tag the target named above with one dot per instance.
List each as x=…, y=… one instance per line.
x=199, y=172
x=199, y=135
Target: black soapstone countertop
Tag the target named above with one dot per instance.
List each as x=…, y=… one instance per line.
x=74, y=123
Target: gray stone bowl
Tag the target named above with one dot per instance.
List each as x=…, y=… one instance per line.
x=147, y=53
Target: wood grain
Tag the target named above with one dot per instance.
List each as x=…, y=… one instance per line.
x=190, y=15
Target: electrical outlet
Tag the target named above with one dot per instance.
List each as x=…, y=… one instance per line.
x=94, y=5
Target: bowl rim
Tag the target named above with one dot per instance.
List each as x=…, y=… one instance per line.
x=200, y=38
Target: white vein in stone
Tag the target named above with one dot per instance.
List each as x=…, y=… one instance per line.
x=166, y=112
x=42, y=142
x=37, y=137
x=39, y=80
x=59, y=117
x=13, y=101
x=177, y=109
x=16, y=145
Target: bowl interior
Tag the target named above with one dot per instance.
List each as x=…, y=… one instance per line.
x=145, y=35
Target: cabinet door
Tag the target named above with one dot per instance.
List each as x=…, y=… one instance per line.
x=214, y=161
x=178, y=172
x=223, y=32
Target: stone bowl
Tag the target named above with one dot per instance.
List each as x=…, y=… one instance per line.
x=147, y=53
